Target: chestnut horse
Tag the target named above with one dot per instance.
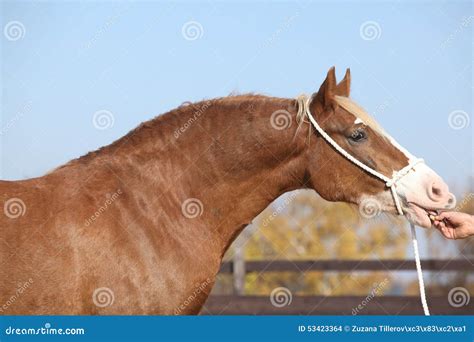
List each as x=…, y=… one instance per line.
x=141, y=226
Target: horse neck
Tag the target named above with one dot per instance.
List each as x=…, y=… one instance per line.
x=226, y=155
x=240, y=155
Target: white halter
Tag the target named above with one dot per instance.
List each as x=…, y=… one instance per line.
x=391, y=183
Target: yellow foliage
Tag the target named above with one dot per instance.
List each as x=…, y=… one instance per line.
x=305, y=227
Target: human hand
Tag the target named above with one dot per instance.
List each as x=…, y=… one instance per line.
x=454, y=225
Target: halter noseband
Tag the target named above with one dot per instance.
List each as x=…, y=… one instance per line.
x=391, y=183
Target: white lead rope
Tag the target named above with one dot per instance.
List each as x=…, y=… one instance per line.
x=391, y=183
x=419, y=272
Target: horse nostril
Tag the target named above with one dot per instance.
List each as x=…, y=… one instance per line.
x=451, y=201
x=435, y=191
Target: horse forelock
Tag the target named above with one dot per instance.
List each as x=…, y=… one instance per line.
x=360, y=113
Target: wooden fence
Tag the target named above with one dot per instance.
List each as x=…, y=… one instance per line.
x=240, y=304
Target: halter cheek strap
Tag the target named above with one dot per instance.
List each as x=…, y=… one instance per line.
x=391, y=183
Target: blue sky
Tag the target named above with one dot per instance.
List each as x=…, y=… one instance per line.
x=411, y=68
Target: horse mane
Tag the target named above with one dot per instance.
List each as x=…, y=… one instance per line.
x=167, y=122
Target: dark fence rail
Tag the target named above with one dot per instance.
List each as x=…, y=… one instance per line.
x=351, y=265
x=239, y=304
x=338, y=305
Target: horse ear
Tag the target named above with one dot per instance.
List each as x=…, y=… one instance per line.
x=327, y=90
x=344, y=87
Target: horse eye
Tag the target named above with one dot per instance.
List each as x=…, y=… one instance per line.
x=358, y=135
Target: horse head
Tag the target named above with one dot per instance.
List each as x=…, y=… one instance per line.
x=419, y=191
